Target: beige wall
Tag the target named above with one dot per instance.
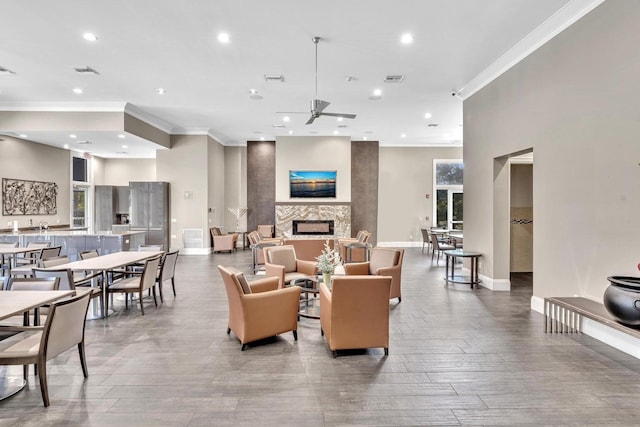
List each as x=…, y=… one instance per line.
x=313, y=153
x=575, y=102
x=21, y=159
x=185, y=166
x=235, y=185
x=121, y=171
x=406, y=176
x=216, y=183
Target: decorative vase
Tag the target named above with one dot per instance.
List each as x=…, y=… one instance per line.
x=622, y=299
x=326, y=278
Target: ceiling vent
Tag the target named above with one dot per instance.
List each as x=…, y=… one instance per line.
x=272, y=78
x=342, y=126
x=5, y=71
x=394, y=78
x=85, y=70
x=278, y=126
x=84, y=142
x=432, y=125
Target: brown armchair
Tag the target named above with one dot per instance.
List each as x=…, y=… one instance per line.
x=358, y=316
x=383, y=262
x=266, y=231
x=223, y=242
x=260, y=311
x=281, y=262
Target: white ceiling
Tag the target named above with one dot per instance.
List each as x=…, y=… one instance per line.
x=147, y=44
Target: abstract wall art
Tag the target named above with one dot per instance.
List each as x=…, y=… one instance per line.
x=21, y=197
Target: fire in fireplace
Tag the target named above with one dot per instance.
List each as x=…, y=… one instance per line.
x=316, y=227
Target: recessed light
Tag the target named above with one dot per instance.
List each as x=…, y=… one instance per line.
x=262, y=138
x=23, y=135
x=65, y=146
x=161, y=91
x=73, y=136
x=335, y=132
x=224, y=38
x=427, y=115
x=446, y=135
x=377, y=92
x=124, y=146
x=90, y=37
x=286, y=119
x=364, y=137
x=406, y=38
x=121, y=136
x=77, y=91
x=340, y=119
x=403, y=135
x=290, y=132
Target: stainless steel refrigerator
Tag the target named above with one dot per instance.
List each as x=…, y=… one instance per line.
x=149, y=211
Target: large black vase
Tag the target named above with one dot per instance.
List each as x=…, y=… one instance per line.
x=622, y=299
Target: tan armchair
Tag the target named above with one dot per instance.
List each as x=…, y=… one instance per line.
x=258, y=243
x=223, y=242
x=281, y=262
x=358, y=316
x=262, y=310
x=356, y=248
x=383, y=262
x=266, y=231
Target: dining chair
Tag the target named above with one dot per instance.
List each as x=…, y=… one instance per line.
x=31, y=256
x=150, y=248
x=4, y=260
x=63, y=329
x=167, y=271
x=41, y=255
x=67, y=281
x=4, y=283
x=92, y=253
x=426, y=240
x=439, y=247
x=138, y=283
x=31, y=284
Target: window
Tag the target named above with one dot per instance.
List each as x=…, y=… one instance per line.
x=82, y=190
x=448, y=207
x=80, y=206
x=79, y=169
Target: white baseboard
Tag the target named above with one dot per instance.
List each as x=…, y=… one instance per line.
x=400, y=244
x=500, y=285
x=195, y=251
x=601, y=332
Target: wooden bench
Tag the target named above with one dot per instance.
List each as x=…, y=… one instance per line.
x=564, y=315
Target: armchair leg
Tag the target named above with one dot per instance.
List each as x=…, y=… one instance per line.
x=141, y=303
x=321, y=332
x=153, y=292
x=173, y=285
x=83, y=360
x=334, y=353
x=399, y=299
x=43, y=382
x=295, y=335
x=243, y=347
x=228, y=331
x=386, y=351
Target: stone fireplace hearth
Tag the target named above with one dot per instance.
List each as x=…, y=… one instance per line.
x=312, y=221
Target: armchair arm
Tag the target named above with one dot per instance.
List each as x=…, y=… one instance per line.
x=388, y=271
x=309, y=268
x=325, y=310
x=264, y=285
x=357, y=268
x=275, y=270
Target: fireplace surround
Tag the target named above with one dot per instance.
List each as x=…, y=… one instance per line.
x=316, y=227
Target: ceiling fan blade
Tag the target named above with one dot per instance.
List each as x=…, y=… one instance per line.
x=292, y=112
x=344, y=115
x=311, y=119
x=318, y=105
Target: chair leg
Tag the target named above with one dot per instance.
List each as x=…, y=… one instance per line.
x=243, y=347
x=321, y=332
x=228, y=331
x=386, y=351
x=140, y=301
x=295, y=335
x=83, y=360
x=160, y=290
x=25, y=371
x=126, y=301
x=153, y=291
x=173, y=285
x=42, y=362
x=334, y=353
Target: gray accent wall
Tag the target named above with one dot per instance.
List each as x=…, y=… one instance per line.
x=364, y=188
x=261, y=183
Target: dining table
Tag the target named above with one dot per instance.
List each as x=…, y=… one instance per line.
x=13, y=303
x=102, y=264
x=13, y=252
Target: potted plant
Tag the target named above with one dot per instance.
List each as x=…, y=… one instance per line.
x=328, y=260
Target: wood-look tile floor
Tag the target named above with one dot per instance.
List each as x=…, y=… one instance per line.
x=457, y=357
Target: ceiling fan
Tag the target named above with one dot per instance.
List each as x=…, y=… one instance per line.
x=317, y=105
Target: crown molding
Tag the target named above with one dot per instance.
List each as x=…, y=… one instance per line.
x=553, y=26
x=106, y=107
x=150, y=119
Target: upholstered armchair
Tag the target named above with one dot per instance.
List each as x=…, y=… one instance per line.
x=259, y=309
x=383, y=262
x=355, y=312
x=354, y=249
x=266, y=231
x=281, y=262
x=258, y=243
x=223, y=242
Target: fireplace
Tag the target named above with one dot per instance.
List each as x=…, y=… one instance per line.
x=318, y=227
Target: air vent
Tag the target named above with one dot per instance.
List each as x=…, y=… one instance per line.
x=272, y=78
x=278, y=126
x=86, y=70
x=432, y=125
x=5, y=71
x=84, y=143
x=342, y=126
x=394, y=78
